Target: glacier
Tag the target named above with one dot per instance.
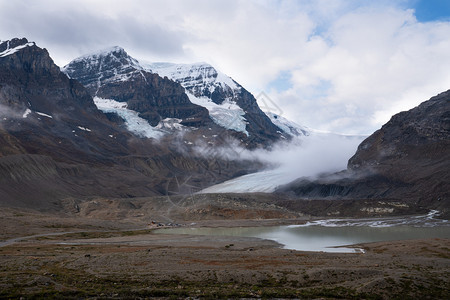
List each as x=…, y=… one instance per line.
x=227, y=114
x=133, y=122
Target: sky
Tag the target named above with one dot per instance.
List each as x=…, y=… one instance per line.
x=338, y=65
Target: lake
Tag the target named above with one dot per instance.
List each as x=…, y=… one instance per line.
x=325, y=235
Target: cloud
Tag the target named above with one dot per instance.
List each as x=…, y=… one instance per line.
x=308, y=157
x=72, y=28
x=376, y=63
x=350, y=64
x=8, y=113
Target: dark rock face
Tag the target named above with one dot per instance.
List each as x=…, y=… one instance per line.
x=40, y=102
x=407, y=159
x=113, y=74
x=424, y=127
x=259, y=125
x=163, y=99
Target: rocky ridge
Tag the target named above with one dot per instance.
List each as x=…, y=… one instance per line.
x=407, y=159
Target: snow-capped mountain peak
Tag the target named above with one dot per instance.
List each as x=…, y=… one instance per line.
x=115, y=53
x=112, y=64
x=200, y=79
x=207, y=87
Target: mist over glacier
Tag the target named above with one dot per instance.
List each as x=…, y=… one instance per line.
x=307, y=156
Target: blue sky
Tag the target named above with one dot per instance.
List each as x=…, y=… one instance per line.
x=431, y=10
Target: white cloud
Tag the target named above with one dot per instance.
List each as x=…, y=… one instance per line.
x=352, y=63
x=378, y=63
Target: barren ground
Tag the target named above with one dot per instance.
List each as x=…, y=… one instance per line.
x=108, y=258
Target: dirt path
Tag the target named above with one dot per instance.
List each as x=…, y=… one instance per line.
x=23, y=238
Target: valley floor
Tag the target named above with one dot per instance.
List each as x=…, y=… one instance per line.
x=112, y=259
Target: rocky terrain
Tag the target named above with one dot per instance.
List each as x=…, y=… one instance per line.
x=406, y=160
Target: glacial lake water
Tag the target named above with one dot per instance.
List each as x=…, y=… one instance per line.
x=325, y=235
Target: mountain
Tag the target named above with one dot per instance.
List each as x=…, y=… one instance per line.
x=223, y=97
x=197, y=95
x=38, y=102
x=56, y=145
x=130, y=130
x=113, y=74
x=407, y=160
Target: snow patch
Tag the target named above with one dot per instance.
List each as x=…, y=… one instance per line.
x=26, y=113
x=193, y=76
x=170, y=123
x=133, y=122
x=94, y=57
x=287, y=126
x=10, y=51
x=264, y=181
x=84, y=128
x=108, y=104
x=44, y=115
x=228, y=114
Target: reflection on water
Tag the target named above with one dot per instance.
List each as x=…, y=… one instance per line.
x=319, y=238
x=322, y=235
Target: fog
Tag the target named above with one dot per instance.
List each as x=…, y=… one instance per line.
x=11, y=117
x=303, y=157
x=7, y=112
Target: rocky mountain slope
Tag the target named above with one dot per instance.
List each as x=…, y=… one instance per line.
x=210, y=88
x=56, y=143
x=408, y=159
x=196, y=96
x=38, y=102
x=113, y=74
